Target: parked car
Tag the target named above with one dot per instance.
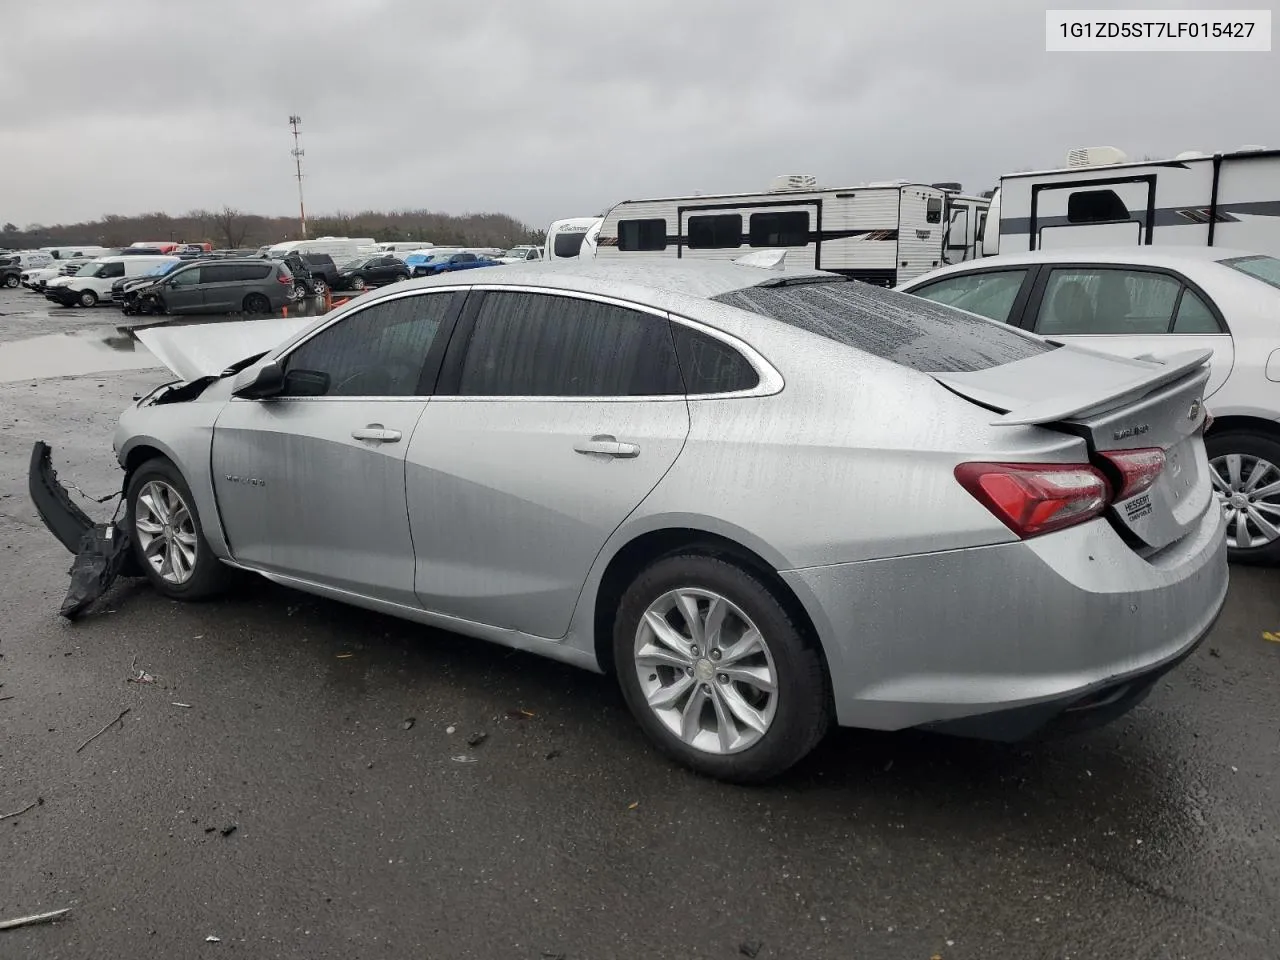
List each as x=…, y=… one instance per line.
x=92, y=282
x=10, y=273
x=520, y=254
x=123, y=289
x=1135, y=301
x=37, y=279
x=365, y=272
x=221, y=286
x=766, y=499
x=313, y=273
x=447, y=263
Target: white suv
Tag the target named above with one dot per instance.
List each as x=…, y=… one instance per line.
x=1144, y=301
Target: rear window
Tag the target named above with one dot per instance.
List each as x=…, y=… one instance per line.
x=1266, y=269
x=568, y=244
x=907, y=330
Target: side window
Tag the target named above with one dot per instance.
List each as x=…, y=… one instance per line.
x=710, y=365
x=933, y=210
x=112, y=270
x=990, y=294
x=466, y=257
x=1088, y=301
x=377, y=352
x=1194, y=315
x=188, y=278
x=635, y=235
x=540, y=345
x=1095, y=206
x=718, y=232
x=780, y=229
x=248, y=271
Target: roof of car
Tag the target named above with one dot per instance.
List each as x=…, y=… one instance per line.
x=1151, y=256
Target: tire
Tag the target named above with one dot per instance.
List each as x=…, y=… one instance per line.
x=299, y=291
x=320, y=286
x=256, y=303
x=87, y=298
x=12, y=282
x=357, y=283
x=795, y=716
x=1256, y=451
x=206, y=576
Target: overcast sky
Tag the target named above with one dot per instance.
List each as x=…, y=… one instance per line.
x=556, y=108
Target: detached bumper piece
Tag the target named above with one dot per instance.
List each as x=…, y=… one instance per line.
x=102, y=550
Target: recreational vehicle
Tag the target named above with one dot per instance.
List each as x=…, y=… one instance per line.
x=882, y=233
x=565, y=237
x=341, y=249
x=1101, y=198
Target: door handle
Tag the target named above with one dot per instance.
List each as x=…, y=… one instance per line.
x=377, y=433
x=605, y=444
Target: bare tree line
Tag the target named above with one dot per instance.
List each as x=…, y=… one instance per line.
x=233, y=228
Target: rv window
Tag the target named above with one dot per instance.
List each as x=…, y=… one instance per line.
x=780, y=229
x=570, y=244
x=641, y=234
x=541, y=345
x=710, y=365
x=1266, y=269
x=896, y=326
x=933, y=210
x=719, y=232
x=1095, y=206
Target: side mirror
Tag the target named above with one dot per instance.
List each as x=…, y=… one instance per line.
x=267, y=381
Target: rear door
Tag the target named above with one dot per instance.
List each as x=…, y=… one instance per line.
x=555, y=417
x=1130, y=311
x=311, y=483
x=1109, y=212
x=221, y=287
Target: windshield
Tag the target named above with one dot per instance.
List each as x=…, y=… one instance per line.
x=92, y=269
x=907, y=330
x=355, y=264
x=1266, y=269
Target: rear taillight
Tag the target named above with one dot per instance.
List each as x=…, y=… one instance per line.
x=1138, y=469
x=284, y=278
x=1035, y=498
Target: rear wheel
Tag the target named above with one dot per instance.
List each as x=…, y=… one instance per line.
x=168, y=540
x=716, y=670
x=87, y=298
x=299, y=291
x=357, y=283
x=256, y=303
x=1245, y=470
x=320, y=287
x=11, y=282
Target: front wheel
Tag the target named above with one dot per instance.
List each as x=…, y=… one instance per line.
x=357, y=283
x=12, y=282
x=168, y=541
x=717, y=671
x=87, y=298
x=1245, y=470
x=320, y=287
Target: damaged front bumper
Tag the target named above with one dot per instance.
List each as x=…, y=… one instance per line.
x=103, y=551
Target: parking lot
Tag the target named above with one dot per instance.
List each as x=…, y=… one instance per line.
x=297, y=778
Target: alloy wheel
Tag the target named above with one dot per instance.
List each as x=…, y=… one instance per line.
x=706, y=671
x=166, y=532
x=1249, y=489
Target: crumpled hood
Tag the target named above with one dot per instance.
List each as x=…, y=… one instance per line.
x=206, y=349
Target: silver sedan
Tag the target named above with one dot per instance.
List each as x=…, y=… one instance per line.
x=767, y=500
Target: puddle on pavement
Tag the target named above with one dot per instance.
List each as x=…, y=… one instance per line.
x=98, y=349
x=71, y=354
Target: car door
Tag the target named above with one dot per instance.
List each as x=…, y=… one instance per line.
x=994, y=294
x=556, y=415
x=182, y=291
x=1132, y=311
x=311, y=483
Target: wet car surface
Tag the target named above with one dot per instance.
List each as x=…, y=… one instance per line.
x=358, y=833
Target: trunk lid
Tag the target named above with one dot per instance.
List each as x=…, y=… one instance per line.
x=1115, y=404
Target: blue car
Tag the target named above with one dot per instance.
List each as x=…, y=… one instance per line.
x=430, y=264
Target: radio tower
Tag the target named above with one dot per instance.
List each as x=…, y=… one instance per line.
x=298, y=154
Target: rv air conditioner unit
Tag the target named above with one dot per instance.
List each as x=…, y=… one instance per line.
x=794, y=182
x=1250, y=148
x=1095, y=156
x=950, y=186
x=1191, y=155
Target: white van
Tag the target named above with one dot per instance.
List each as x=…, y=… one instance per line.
x=67, y=252
x=341, y=249
x=30, y=259
x=565, y=237
x=399, y=248
x=91, y=284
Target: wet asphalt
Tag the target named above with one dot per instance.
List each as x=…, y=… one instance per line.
x=310, y=800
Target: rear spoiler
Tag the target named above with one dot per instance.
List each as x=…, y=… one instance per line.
x=999, y=387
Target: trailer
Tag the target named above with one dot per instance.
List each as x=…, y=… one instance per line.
x=881, y=233
x=1101, y=198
